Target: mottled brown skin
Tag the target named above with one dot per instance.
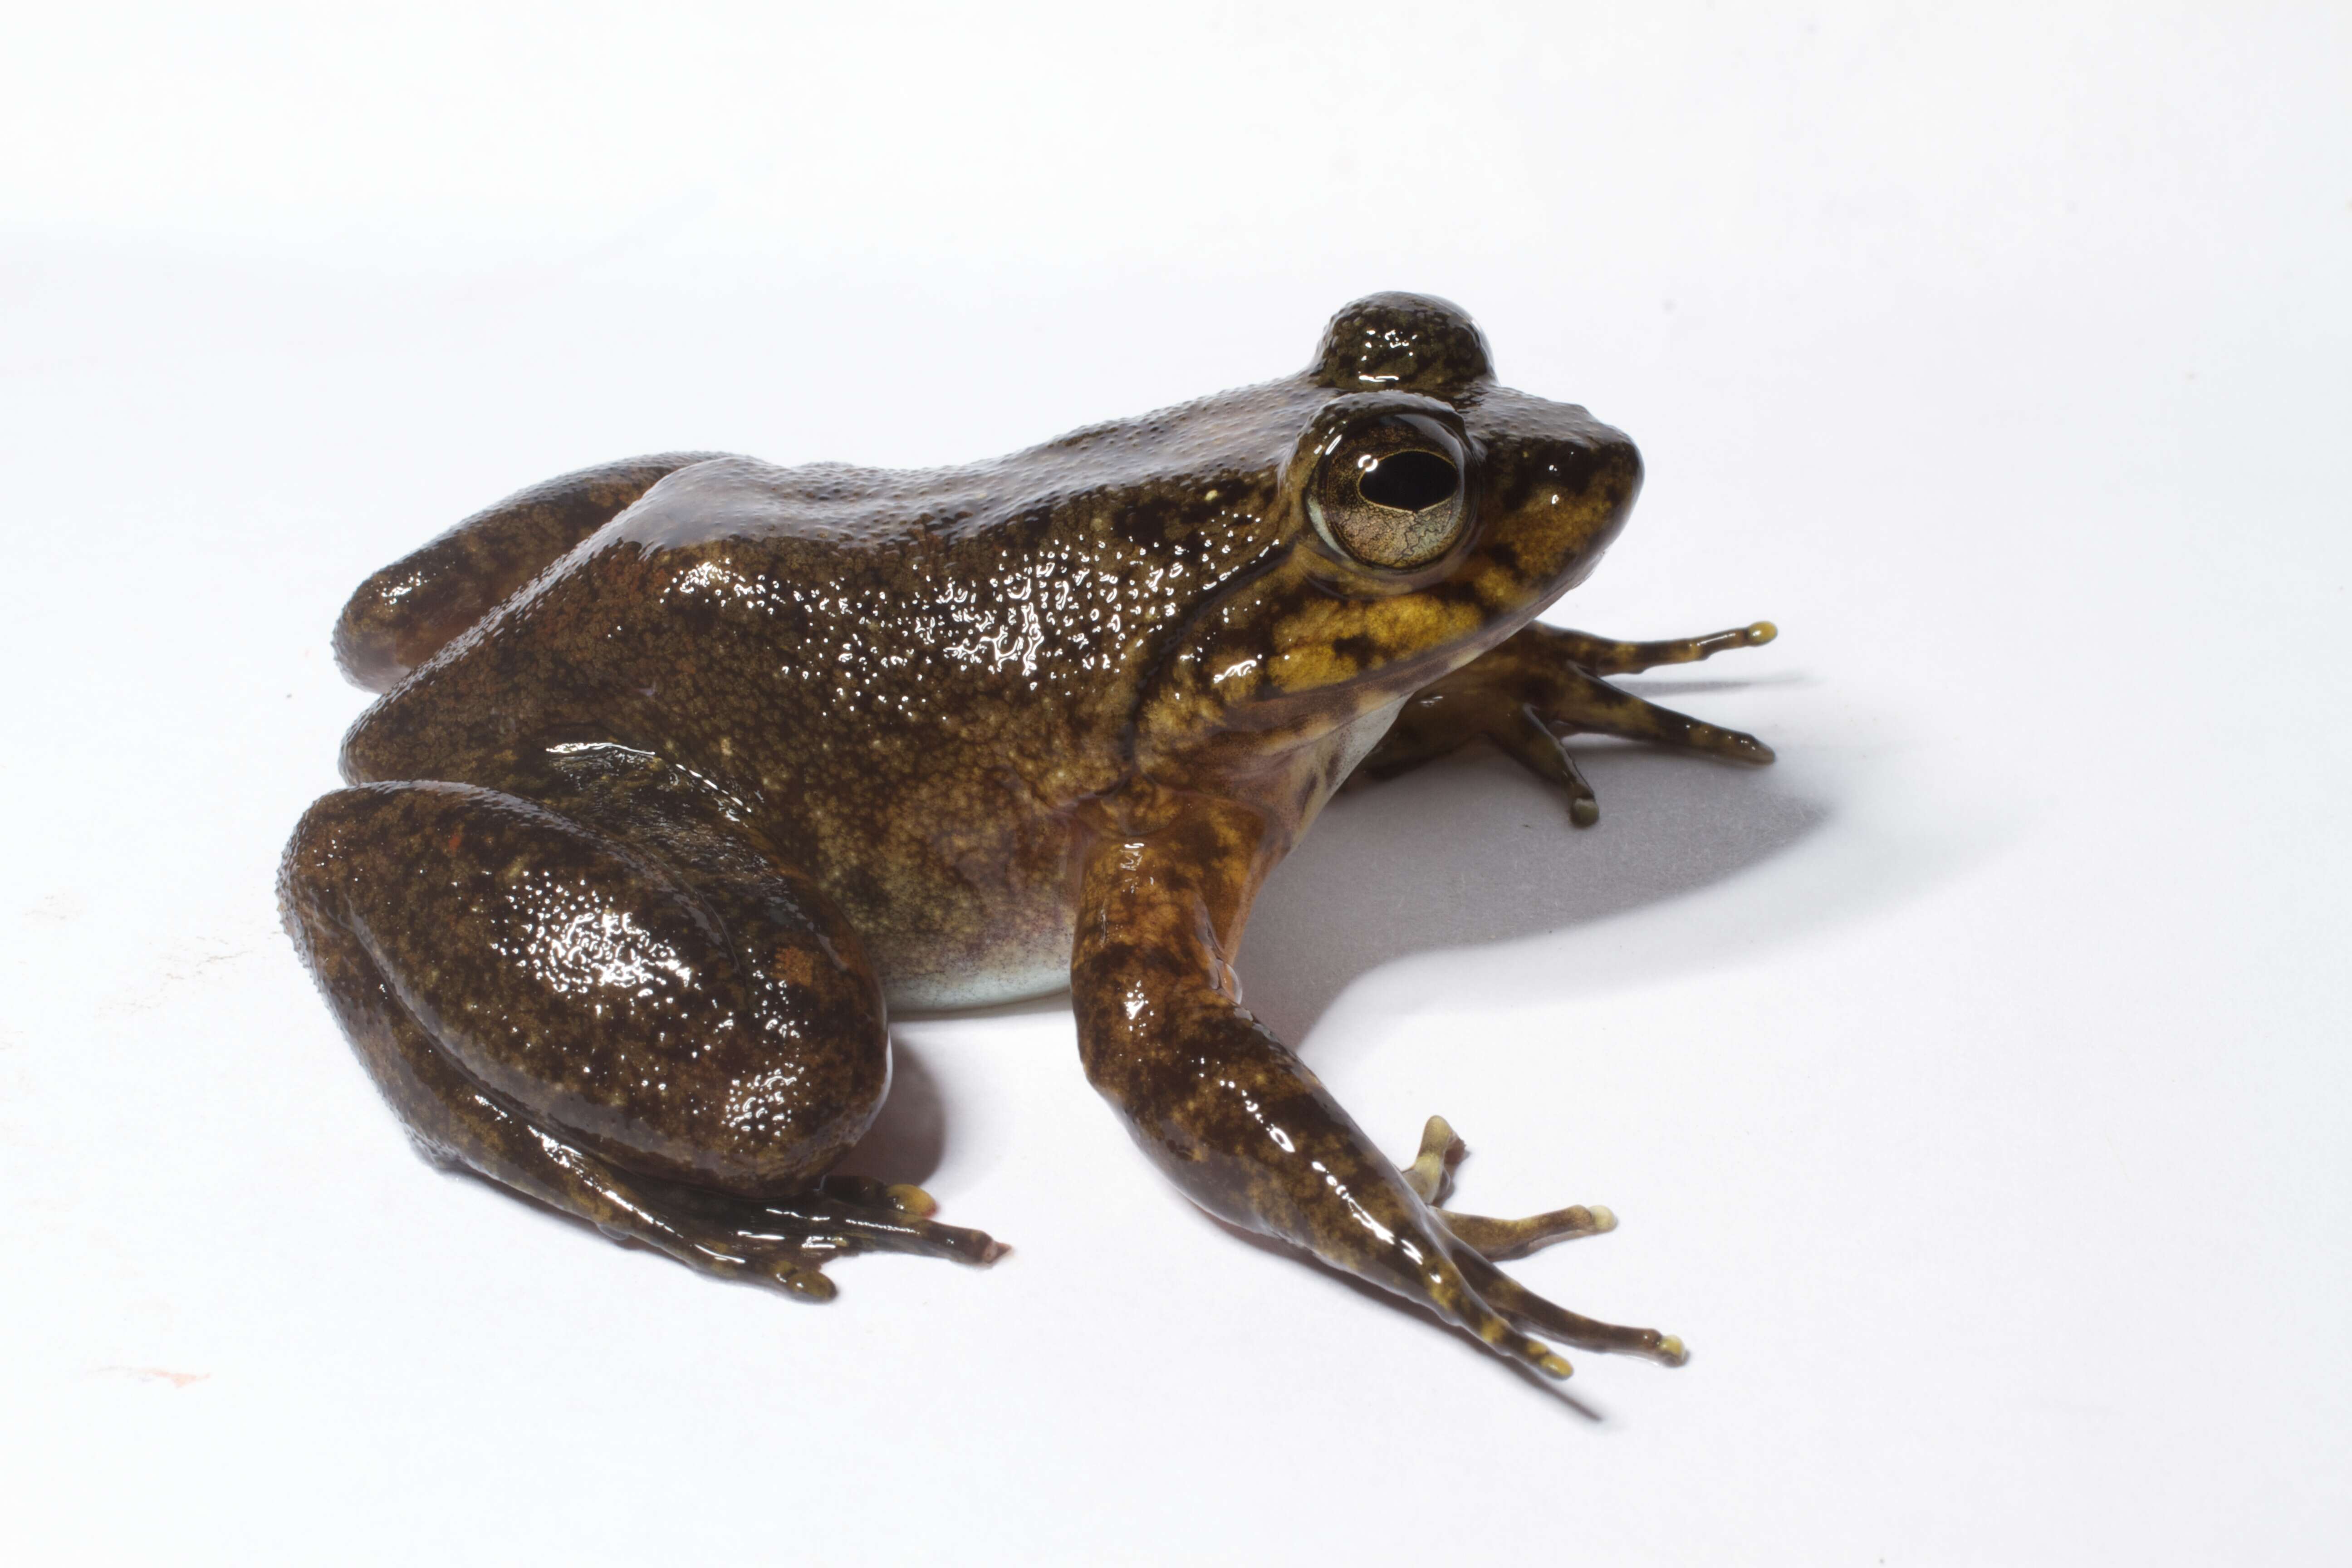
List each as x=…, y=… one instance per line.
x=405, y=613
x=684, y=764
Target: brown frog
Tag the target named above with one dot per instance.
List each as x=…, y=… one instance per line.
x=685, y=766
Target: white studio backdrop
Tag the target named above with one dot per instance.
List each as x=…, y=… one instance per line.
x=1972, y=1085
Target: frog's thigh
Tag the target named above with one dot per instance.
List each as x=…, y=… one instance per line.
x=511, y=975
x=664, y=1043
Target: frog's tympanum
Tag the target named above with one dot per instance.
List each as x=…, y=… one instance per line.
x=685, y=766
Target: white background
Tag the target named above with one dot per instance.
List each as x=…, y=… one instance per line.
x=1973, y=1085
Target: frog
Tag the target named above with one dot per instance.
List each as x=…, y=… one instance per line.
x=686, y=771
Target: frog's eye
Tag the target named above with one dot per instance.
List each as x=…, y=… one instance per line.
x=1392, y=497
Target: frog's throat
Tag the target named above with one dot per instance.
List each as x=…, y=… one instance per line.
x=1175, y=723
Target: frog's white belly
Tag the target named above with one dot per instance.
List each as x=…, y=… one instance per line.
x=1022, y=970
x=1031, y=956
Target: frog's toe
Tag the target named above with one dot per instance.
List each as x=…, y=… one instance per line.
x=1607, y=656
x=1484, y=1242
x=1581, y=703
x=1431, y=1170
x=1533, y=1314
x=785, y=1243
x=1498, y=1240
x=1431, y=1177
x=1506, y=1316
x=803, y=1279
x=904, y=1197
x=1457, y=1298
x=874, y=1217
x=1531, y=743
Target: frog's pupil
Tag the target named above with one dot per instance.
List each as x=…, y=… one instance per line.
x=1408, y=481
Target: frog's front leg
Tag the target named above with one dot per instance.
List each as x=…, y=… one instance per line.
x=1542, y=684
x=1241, y=1125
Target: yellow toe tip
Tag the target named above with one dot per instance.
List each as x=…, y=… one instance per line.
x=1672, y=1351
x=1603, y=1217
x=806, y=1285
x=911, y=1200
x=1761, y=633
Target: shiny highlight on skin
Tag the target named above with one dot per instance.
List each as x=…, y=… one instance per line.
x=687, y=767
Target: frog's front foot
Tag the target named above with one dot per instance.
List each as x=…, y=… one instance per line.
x=1246, y=1131
x=1526, y=695
x=1430, y=1177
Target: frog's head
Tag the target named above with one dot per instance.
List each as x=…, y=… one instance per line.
x=1424, y=514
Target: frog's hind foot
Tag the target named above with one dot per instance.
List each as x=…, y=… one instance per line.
x=786, y=1242
x=1430, y=1177
x=782, y=1242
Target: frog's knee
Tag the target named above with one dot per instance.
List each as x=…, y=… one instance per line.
x=337, y=838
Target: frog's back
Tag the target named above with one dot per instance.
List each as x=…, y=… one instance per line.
x=910, y=679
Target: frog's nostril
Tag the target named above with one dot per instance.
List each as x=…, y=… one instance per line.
x=1408, y=481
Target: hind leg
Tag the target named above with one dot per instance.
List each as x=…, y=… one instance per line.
x=667, y=1033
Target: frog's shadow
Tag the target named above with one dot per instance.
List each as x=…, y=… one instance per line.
x=1471, y=851
x=1474, y=851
